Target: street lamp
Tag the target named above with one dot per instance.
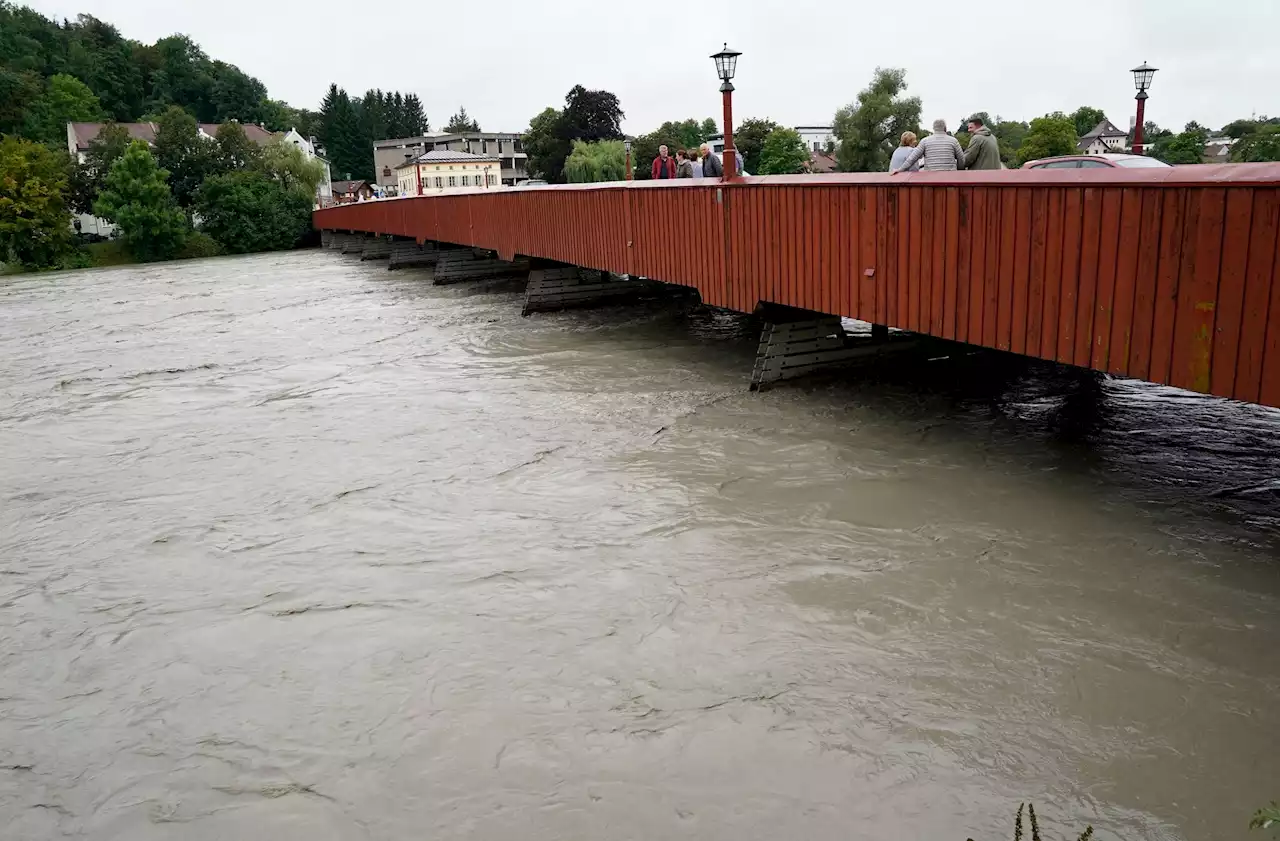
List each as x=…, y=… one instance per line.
x=626, y=144
x=1142, y=76
x=726, y=65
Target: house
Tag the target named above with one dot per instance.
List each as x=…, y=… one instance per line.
x=507, y=147
x=1217, y=150
x=345, y=192
x=822, y=163
x=307, y=145
x=440, y=171
x=1105, y=138
x=817, y=138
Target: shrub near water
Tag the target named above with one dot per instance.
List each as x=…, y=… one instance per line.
x=247, y=211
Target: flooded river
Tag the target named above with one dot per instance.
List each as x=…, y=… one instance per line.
x=293, y=547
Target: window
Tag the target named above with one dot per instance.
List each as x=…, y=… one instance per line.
x=1094, y=165
x=493, y=179
x=466, y=180
x=1060, y=165
x=439, y=183
x=453, y=182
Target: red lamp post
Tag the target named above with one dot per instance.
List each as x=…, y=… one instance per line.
x=1142, y=80
x=726, y=65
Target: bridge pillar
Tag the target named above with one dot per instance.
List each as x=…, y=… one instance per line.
x=326, y=237
x=462, y=264
x=793, y=346
x=408, y=253
x=376, y=248
x=353, y=244
x=569, y=287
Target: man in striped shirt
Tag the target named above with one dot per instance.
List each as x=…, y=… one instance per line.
x=941, y=152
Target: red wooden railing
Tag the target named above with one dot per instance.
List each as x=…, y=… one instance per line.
x=1168, y=275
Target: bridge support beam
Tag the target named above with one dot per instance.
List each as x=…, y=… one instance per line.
x=569, y=287
x=792, y=347
x=353, y=244
x=408, y=253
x=462, y=264
x=377, y=248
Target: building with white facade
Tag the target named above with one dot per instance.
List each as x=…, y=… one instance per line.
x=307, y=145
x=390, y=155
x=1104, y=139
x=817, y=138
x=442, y=171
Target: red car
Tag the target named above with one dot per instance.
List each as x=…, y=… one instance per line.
x=1105, y=161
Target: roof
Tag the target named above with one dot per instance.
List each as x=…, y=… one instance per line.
x=146, y=132
x=1106, y=128
x=347, y=186
x=822, y=162
x=446, y=156
x=1088, y=140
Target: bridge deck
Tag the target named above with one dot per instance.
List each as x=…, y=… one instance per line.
x=1171, y=276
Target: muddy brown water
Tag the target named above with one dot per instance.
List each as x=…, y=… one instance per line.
x=292, y=547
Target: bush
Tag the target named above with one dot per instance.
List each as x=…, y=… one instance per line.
x=199, y=244
x=137, y=198
x=247, y=211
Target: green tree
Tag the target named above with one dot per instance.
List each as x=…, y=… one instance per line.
x=88, y=177
x=869, y=128
x=544, y=146
x=343, y=138
x=1086, y=119
x=285, y=163
x=233, y=149
x=748, y=139
x=461, y=123
x=710, y=128
x=66, y=99
x=187, y=158
x=1051, y=135
x=35, y=224
x=1181, y=149
x=1011, y=134
x=414, y=119
x=603, y=160
x=591, y=115
x=247, y=211
x=1258, y=146
x=784, y=153
x=18, y=90
x=136, y=197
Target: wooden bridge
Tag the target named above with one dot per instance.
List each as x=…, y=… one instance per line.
x=1167, y=275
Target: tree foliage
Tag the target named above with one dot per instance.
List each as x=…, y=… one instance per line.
x=1086, y=119
x=587, y=116
x=137, y=198
x=233, y=149
x=461, y=122
x=187, y=158
x=870, y=127
x=35, y=224
x=749, y=138
x=784, y=153
x=1187, y=147
x=285, y=163
x=1048, y=136
x=603, y=160
x=1258, y=146
x=248, y=211
x=343, y=137
x=66, y=99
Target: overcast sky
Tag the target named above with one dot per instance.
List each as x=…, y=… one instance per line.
x=508, y=60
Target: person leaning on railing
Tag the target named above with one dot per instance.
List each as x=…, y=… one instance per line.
x=939, y=152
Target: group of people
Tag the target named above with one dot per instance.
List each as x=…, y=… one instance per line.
x=688, y=163
x=940, y=152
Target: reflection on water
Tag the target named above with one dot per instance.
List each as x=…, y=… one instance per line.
x=297, y=548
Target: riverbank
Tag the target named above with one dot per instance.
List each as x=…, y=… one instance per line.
x=112, y=252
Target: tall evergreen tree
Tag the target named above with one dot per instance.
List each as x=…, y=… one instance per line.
x=397, y=108
x=415, y=118
x=349, y=157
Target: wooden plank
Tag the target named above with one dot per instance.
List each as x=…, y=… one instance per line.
x=1086, y=292
x=1229, y=314
x=1068, y=301
x=1104, y=300
x=1259, y=289
x=991, y=281
x=1035, y=288
x=938, y=258
x=1172, y=240
x=950, y=264
x=1052, y=276
x=964, y=252
x=977, y=262
x=916, y=270
x=885, y=251
x=1021, y=273
x=1270, y=391
x=867, y=261
x=1198, y=290
x=1144, y=295
x=1009, y=233
x=1118, y=343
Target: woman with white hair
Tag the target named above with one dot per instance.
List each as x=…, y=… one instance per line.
x=939, y=152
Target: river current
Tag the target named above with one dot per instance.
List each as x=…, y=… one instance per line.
x=294, y=547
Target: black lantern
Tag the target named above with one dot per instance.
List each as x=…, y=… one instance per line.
x=1142, y=77
x=726, y=63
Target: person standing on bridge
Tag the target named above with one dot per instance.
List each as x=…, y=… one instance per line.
x=984, y=149
x=684, y=166
x=664, y=166
x=900, y=154
x=939, y=152
x=711, y=166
